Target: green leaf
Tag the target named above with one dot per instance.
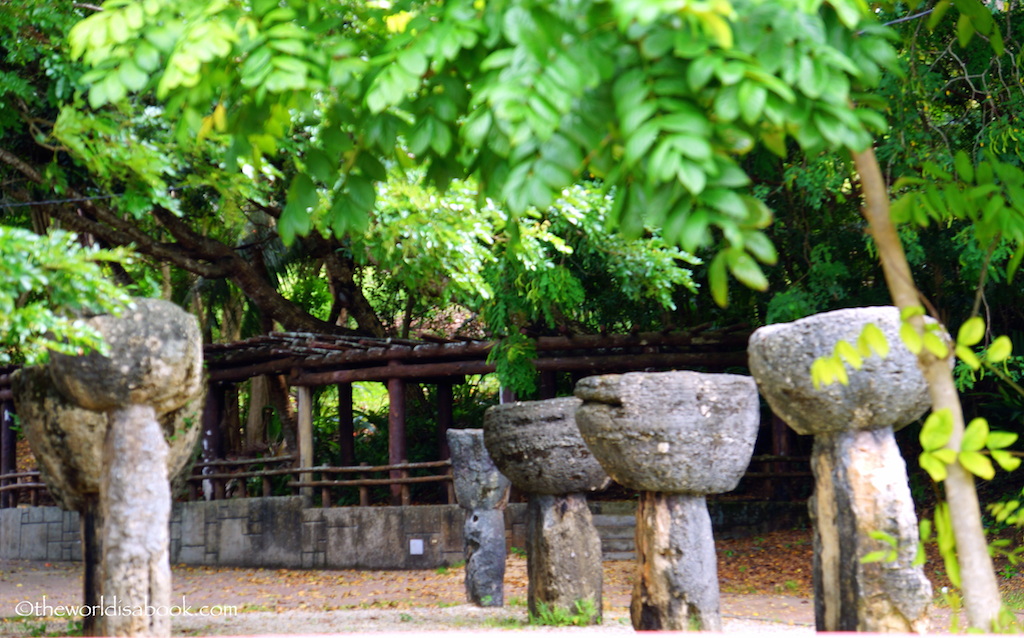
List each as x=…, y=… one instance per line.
x=872, y=338
x=911, y=338
x=999, y=440
x=752, y=99
x=700, y=71
x=931, y=464
x=847, y=352
x=295, y=218
x=936, y=345
x=911, y=311
x=1000, y=349
x=975, y=435
x=967, y=355
x=971, y=332
x=746, y=270
x=937, y=430
x=964, y=168
x=882, y=555
x=718, y=280
x=977, y=464
x=1014, y=263
x=1005, y=460
x=964, y=30
x=132, y=76
x=692, y=176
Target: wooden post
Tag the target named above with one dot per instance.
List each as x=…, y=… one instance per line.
x=305, y=436
x=506, y=395
x=396, y=433
x=548, y=384
x=445, y=419
x=406, y=496
x=364, y=492
x=8, y=451
x=445, y=416
x=213, y=437
x=779, y=489
x=346, y=426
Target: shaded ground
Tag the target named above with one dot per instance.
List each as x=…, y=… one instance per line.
x=765, y=583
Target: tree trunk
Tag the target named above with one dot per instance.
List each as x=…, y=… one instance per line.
x=981, y=592
x=256, y=421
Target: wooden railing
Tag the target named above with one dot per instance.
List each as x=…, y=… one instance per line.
x=219, y=473
x=403, y=480
x=230, y=478
x=12, y=487
x=397, y=475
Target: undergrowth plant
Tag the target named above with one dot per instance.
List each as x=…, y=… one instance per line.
x=583, y=614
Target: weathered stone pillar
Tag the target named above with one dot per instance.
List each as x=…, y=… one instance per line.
x=675, y=437
x=147, y=391
x=537, y=446
x=860, y=477
x=482, y=491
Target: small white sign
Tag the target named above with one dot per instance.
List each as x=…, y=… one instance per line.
x=416, y=546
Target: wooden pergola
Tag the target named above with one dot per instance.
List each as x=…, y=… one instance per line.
x=308, y=360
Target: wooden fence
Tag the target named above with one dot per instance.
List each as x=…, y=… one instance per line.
x=215, y=480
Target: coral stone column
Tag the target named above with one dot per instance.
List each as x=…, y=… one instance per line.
x=860, y=478
x=482, y=491
x=675, y=437
x=537, y=446
x=146, y=383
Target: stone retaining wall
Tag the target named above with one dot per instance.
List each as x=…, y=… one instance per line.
x=279, y=532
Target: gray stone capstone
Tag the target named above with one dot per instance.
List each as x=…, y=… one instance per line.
x=887, y=392
x=478, y=483
x=67, y=440
x=677, y=432
x=537, y=445
x=155, y=359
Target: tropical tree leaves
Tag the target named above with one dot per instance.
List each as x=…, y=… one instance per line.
x=658, y=103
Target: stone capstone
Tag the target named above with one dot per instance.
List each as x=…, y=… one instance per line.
x=66, y=440
x=537, y=445
x=478, y=482
x=679, y=432
x=884, y=392
x=155, y=358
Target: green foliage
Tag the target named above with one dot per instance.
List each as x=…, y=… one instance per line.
x=887, y=555
x=583, y=613
x=529, y=97
x=49, y=284
x=827, y=370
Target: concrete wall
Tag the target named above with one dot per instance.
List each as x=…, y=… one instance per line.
x=273, y=532
x=280, y=532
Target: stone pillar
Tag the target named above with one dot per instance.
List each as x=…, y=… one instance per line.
x=146, y=393
x=537, y=446
x=675, y=437
x=860, y=477
x=482, y=491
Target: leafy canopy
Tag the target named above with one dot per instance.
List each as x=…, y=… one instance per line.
x=658, y=100
x=50, y=283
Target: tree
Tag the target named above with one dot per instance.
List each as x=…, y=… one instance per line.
x=48, y=285
x=660, y=101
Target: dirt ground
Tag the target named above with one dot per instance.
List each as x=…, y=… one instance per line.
x=765, y=583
